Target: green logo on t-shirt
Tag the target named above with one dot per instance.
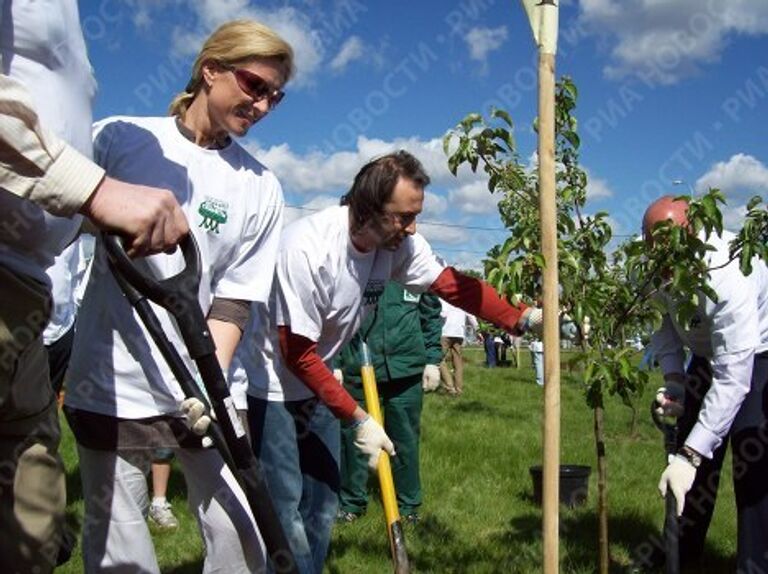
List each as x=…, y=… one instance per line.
x=214, y=212
x=409, y=297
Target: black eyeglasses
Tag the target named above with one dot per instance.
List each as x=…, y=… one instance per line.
x=403, y=220
x=255, y=86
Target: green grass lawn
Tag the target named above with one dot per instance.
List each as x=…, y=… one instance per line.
x=478, y=514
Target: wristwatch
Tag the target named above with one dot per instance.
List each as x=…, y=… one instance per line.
x=690, y=455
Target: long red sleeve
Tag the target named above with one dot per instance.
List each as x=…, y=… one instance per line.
x=478, y=298
x=300, y=355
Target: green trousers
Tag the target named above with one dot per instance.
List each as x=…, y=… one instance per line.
x=401, y=402
x=32, y=495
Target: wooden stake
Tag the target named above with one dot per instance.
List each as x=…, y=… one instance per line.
x=548, y=209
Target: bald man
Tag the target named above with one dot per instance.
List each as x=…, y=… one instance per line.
x=721, y=395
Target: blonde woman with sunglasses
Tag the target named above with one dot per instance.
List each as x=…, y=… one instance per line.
x=122, y=401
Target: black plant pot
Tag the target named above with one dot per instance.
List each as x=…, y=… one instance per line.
x=574, y=484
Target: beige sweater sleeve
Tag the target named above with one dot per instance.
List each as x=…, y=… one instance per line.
x=37, y=165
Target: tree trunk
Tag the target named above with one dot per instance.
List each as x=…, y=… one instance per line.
x=633, y=422
x=602, y=494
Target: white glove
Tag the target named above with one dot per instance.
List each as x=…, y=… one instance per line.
x=678, y=476
x=338, y=375
x=670, y=400
x=430, y=379
x=197, y=420
x=370, y=438
x=534, y=322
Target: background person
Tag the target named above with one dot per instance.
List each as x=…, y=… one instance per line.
x=123, y=401
x=451, y=341
x=403, y=336
x=331, y=270
x=46, y=172
x=160, y=510
x=722, y=395
x=489, y=346
x=536, y=348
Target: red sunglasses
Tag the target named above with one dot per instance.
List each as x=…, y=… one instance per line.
x=255, y=86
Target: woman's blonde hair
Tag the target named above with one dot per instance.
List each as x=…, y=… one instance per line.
x=232, y=43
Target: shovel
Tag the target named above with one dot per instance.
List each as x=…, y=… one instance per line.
x=671, y=524
x=386, y=483
x=179, y=296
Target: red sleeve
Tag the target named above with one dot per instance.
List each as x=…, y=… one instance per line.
x=301, y=358
x=478, y=298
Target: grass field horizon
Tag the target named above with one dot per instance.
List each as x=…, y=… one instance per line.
x=479, y=515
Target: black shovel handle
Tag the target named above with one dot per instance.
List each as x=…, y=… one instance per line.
x=671, y=522
x=178, y=295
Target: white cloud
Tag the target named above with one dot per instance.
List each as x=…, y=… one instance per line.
x=733, y=216
x=597, y=188
x=739, y=178
x=474, y=198
x=741, y=173
x=351, y=50
x=317, y=203
x=665, y=40
x=434, y=205
x=317, y=171
x=292, y=25
x=483, y=41
x=443, y=233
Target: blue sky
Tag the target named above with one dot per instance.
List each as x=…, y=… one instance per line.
x=669, y=90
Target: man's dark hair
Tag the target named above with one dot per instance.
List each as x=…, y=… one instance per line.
x=375, y=182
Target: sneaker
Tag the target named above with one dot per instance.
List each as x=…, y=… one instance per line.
x=411, y=518
x=345, y=516
x=161, y=516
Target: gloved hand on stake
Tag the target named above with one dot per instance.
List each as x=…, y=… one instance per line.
x=670, y=400
x=197, y=420
x=678, y=476
x=430, y=379
x=370, y=438
x=533, y=321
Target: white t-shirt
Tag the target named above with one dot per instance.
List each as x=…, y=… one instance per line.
x=455, y=321
x=234, y=206
x=324, y=288
x=63, y=275
x=728, y=333
x=42, y=47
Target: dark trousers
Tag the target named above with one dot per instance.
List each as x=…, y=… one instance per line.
x=749, y=443
x=401, y=404
x=490, y=351
x=58, y=358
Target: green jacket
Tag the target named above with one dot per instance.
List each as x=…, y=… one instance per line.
x=403, y=336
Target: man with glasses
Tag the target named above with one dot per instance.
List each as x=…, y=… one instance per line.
x=332, y=268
